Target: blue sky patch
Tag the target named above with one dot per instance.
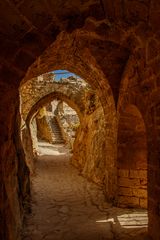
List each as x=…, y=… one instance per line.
x=63, y=74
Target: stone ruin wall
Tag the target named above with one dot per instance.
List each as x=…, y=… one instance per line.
x=89, y=153
x=68, y=121
x=44, y=131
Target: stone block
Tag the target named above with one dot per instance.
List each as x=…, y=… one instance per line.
x=123, y=173
x=143, y=182
x=134, y=174
x=143, y=174
x=143, y=203
x=125, y=191
x=140, y=193
x=138, y=174
x=128, y=201
x=127, y=182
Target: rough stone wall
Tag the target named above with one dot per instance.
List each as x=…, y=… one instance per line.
x=90, y=154
x=33, y=134
x=89, y=150
x=28, y=148
x=68, y=121
x=132, y=159
x=14, y=186
x=44, y=131
x=140, y=87
x=30, y=143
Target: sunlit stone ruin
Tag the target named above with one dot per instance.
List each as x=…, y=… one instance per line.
x=80, y=120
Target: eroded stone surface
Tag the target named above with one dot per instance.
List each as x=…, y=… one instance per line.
x=68, y=121
x=44, y=131
x=90, y=147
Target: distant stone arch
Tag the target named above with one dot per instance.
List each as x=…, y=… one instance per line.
x=29, y=139
x=35, y=92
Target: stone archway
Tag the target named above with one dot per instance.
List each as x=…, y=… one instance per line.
x=132, y=159
x=50, y=97
x=28, y=142
x=41, y=89
x=82, y=62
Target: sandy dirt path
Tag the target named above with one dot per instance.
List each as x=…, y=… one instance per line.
x=65, y=206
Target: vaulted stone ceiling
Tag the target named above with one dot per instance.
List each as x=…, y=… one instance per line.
x=30, y=26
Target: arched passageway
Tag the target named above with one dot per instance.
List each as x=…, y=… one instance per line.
x=70, y=199
x=92, y=76
x=88, y=69
x=103, y=41
x=29, y=129
x=90, y=146
x=132, y=159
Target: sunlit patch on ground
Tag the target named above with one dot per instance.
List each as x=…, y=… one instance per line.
x=45, y=148
x=132, y=220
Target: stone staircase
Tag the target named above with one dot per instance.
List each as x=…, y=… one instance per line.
x=57, y=134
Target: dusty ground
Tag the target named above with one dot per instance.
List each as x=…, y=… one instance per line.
x=65, y=206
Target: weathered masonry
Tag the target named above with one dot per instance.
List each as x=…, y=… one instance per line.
x=114, y=46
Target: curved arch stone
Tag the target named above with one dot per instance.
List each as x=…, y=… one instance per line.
x=80, y=59
x=43, y=89
x=51, y=97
